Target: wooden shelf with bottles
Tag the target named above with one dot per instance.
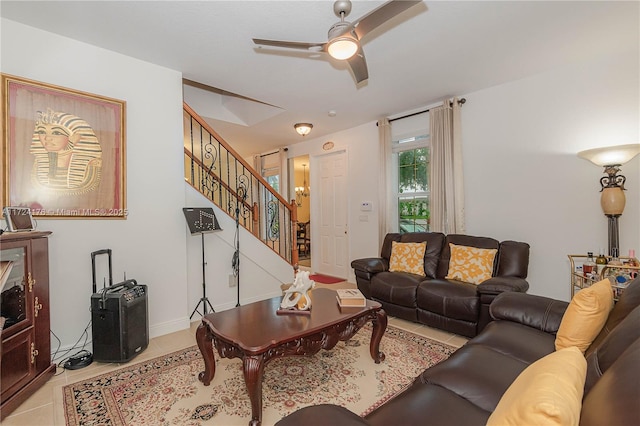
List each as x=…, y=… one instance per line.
x=623, y=274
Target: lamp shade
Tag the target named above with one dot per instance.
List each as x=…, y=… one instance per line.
x=612, y=155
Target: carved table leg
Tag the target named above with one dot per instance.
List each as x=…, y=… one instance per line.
x=253, y=367
x=205, y=343
x=379, y=327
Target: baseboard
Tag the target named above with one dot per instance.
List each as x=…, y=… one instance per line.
x=225, y=306
x=263, y=297
x=154, y=331
x=168, y=327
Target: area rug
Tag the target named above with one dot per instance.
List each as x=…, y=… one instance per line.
x=325, y=279
x=166, y=390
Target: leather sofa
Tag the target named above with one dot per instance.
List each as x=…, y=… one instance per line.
x=450, y=305
x=466, y=388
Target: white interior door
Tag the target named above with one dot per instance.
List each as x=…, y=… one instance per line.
x=331, y=253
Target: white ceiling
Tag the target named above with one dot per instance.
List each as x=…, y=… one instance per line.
x=433, y=50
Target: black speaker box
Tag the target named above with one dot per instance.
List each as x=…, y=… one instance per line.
x=119, y=322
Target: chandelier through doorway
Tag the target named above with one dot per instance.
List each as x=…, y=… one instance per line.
x=302, y=191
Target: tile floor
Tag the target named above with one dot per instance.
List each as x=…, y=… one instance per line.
x=39, y=409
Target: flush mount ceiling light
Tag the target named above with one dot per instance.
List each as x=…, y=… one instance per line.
x=303, y=129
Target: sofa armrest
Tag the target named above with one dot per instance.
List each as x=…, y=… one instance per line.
x=539, y=312
x=498, y=285
x=371, y=265
x=322, y=415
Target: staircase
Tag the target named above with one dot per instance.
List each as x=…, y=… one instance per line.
x=213, y=168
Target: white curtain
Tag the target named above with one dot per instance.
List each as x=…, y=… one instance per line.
x=284, y=174
x=384, y=185
x=447, y=189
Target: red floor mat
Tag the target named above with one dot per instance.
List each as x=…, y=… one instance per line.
x=325, y=279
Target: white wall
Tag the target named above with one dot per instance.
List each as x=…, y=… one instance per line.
x=262, y=271
x=523, y=179
x=150, y=244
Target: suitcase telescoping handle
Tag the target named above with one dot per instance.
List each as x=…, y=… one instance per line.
x=93, y=266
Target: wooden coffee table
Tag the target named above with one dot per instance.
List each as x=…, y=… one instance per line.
x=256, y=334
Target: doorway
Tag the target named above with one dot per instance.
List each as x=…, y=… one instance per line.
x=331, y=256
x=300, y=191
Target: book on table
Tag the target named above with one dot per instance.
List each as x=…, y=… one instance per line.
x=351, y=297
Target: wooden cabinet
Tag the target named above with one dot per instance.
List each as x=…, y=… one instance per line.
x=25, y=357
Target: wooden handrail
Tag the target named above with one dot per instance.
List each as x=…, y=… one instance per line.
x=233, y=152
x=284, y=241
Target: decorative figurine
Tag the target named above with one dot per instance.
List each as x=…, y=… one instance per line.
x=297, y=296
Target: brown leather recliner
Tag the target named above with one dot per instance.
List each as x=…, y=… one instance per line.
x=451, y=305
x=466, y=388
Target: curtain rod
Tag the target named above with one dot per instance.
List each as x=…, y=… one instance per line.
x=461, y=101
x=269, y=153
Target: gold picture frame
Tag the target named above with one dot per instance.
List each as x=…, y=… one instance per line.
x=63, y=151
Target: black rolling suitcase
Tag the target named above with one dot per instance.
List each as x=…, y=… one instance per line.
x=119, y=317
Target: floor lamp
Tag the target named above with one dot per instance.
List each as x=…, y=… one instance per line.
x=612, y=199
x=201, y=220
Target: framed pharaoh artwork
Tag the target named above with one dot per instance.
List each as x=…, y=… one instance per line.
x=63, y=151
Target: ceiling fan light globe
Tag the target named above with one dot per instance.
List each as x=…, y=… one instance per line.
x=342, y=48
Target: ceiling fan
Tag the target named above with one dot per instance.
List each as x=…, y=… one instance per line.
x=344, y=37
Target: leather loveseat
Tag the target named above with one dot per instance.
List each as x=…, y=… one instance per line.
x=466, y=388
x=451, y=305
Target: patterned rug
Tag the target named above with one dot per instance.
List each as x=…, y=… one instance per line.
x=166, y=390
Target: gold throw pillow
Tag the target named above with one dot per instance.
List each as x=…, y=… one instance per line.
x=470, y=264
x=547, y=392
x=407, y=257
x=585, y=316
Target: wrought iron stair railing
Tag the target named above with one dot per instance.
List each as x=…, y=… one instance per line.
x=218, y=172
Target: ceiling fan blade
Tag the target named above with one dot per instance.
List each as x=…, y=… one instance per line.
x=290, y=44
x=359, y=66
x=380, y=15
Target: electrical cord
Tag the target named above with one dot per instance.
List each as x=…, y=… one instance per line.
x=75, y=345
x=79, y=354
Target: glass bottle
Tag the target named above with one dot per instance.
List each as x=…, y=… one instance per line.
x=589, y=266
x=615, y=259
x=601, y=261
x=614, y=274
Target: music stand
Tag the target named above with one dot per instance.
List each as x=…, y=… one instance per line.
x=201, y=220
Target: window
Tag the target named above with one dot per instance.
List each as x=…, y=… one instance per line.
x=273, y=179
x=411, y=173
